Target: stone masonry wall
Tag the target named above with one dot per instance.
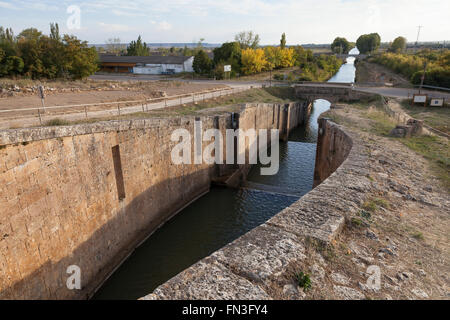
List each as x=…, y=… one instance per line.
x=249, y=267
x=86, y=195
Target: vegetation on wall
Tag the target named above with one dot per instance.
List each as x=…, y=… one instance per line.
x=35, y=55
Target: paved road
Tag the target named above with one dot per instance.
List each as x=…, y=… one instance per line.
x=111, y=113
x=402, y=93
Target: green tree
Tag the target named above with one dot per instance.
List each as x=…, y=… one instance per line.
x=202, y=63
x=283, y=41
x=368, y=43
x=80, y=60
x=399, y=45
x=138, y=48
x=247, y=39
x=340, y=45
x=229, y=54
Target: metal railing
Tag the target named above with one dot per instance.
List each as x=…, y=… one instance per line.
x=143, y=103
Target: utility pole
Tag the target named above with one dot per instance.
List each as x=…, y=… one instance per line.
x=418, y=34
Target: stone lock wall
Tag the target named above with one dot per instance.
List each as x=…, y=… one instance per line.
x=87, y=195
x=247, y=268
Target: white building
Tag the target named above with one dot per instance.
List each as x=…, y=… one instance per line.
x=147, y=65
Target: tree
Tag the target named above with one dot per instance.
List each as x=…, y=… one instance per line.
x=283, y=41
x=399, y=45
x=137, y=48
x=202, y=63
x=80, y=60
x=229, y=54
x=253, y=61
x=247, y=39
x=368, y=43
x=114, y=46
x=340, y=45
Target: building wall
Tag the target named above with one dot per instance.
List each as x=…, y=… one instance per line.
x=188, y=65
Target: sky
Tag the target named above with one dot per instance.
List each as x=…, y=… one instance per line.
x=217, y=21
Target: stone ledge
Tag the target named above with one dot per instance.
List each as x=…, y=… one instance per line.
x=265, y=252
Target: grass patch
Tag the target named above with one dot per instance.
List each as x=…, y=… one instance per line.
x=382, y=124
x=418, y=236
x=57, y=122
x=436, y=117
x=370, y=206
x=231, y=103
x=303, y=281
x=435, y=149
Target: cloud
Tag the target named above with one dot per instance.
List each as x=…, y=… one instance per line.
x=7, y=5
x=114, y=27
x=163, y=26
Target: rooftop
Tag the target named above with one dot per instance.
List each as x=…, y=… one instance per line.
x=144, y=59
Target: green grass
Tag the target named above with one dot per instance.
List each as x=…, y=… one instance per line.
x=231, y=103
x=436, y=150
x=418, y=236
x=57, y=122
x=303, y=281
x=436, y=117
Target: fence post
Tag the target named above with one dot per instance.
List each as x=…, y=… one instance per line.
x=85, y=111
x=39, y=113
x=193, y=97
x=165, y=102
x=118, y=108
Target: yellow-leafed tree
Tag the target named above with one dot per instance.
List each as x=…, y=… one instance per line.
x=287, y=57
x=253, y=61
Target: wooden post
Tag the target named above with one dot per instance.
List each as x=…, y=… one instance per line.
x=118, y=108
x=40, y=120
x=85, y=111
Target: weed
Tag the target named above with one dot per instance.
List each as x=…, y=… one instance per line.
x=418, y=236
x=303, y=281
x=57, y=122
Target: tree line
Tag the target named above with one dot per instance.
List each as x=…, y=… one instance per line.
x=412, y=66
x=36, y=55
x=246, y=58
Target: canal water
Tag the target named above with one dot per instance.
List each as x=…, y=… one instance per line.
x=222, y=215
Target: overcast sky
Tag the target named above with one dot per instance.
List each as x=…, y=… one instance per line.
x=303, y=21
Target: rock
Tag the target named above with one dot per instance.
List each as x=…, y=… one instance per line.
x=340, y=278
x=317, y=271
x=422, y=272
x=428, y=189
x=387, y=297
x=347, y=293
x=371, y=235
x=420, y=293
x=290, y=289
x=404, y=276
x=358, y=262
x=387, y=251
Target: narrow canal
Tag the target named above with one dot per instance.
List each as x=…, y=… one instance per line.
x=222, y=215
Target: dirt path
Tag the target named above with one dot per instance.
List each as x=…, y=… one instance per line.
x=367, y=72
x=402, y=228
